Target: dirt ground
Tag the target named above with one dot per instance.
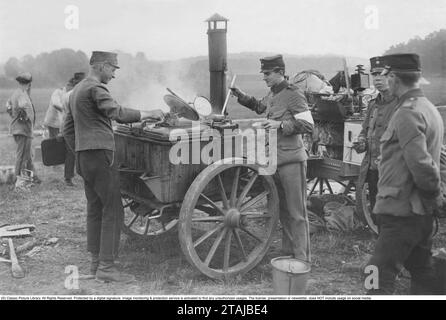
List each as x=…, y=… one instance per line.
x=160, y=268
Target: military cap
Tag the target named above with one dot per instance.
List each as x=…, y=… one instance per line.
x=24, y=77
x=272, y=63
x=402, y=62
x=377, y=64
x=104, y=56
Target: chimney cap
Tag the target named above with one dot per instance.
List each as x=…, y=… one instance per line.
x=216, y=17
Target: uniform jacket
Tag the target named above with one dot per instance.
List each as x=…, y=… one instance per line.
x=23, y=113
x=53, y=116
x=90, y=113
x=379, y=112
x=409, y=168
x=286, y=103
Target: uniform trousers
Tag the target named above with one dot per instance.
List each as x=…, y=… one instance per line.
x=404, y=242
x=291, y=185
x=23, y=154
x=105, y=212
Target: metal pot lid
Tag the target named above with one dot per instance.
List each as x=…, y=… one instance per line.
x=202, y=106
x=180, y=107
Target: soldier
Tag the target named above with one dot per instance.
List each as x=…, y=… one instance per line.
x=288, y=113
x=90, y=112
x=379, y=112
x=409, y=181
x=23, y=116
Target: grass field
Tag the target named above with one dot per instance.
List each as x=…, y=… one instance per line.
x=159, y=266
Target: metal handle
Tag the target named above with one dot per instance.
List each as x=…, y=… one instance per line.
x=227, y=96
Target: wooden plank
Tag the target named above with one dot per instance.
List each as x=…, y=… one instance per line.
x=16, y=233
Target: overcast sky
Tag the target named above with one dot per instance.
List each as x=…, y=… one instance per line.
x=170, y=29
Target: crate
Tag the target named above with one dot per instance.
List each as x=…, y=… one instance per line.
x=352, y=129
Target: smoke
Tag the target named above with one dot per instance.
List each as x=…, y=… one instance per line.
x=144, y=84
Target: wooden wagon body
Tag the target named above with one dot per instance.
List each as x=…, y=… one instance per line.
x=225, y=212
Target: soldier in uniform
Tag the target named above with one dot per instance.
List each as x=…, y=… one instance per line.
x=287, y=112
x=23, y=116
x=409, y=182
x=91, y=110
x=379, y=112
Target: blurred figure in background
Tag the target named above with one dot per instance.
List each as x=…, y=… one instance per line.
x=22, y=125
x=54, y=113
x=69, y=143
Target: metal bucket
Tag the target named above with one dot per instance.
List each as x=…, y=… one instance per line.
x=290, y=275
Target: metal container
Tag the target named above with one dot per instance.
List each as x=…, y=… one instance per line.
x=290, y=276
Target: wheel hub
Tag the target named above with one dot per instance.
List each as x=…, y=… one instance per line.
x=232, y=218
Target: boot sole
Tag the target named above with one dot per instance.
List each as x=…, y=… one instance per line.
x=86, y=277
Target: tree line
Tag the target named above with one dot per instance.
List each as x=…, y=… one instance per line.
x=431, y=49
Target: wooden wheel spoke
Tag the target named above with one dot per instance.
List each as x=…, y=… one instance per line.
x=251, y=215
x=235, y=187
x=171, y=223
x=128, y=203
x=212, y=203
x=214, y=247
x=246, y=189
x=146, y=229
x=240, y=244
x=207, y=235
x=227, y=253
x=252, y=235
x=254, y=200
x=224, y=198
x=132, y=221
x=208, y=219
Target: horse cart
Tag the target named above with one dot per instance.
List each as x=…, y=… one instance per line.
x=225, y=212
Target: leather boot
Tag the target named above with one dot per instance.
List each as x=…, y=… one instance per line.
x=93, y=268
x=94, y=264
x=107, y=272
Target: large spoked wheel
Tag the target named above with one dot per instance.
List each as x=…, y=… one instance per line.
x=141, y=219
x=363, y=207
x=228, y=218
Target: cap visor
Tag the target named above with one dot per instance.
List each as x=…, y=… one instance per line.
x=376, y=70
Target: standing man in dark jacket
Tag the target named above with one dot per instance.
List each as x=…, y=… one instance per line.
x=288, y=113
x=379, y=112
x=409, y=182
x=89, y=119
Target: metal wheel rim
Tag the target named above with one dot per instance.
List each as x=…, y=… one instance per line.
x=225, y=231
x=146, y=225
x=365, y=203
